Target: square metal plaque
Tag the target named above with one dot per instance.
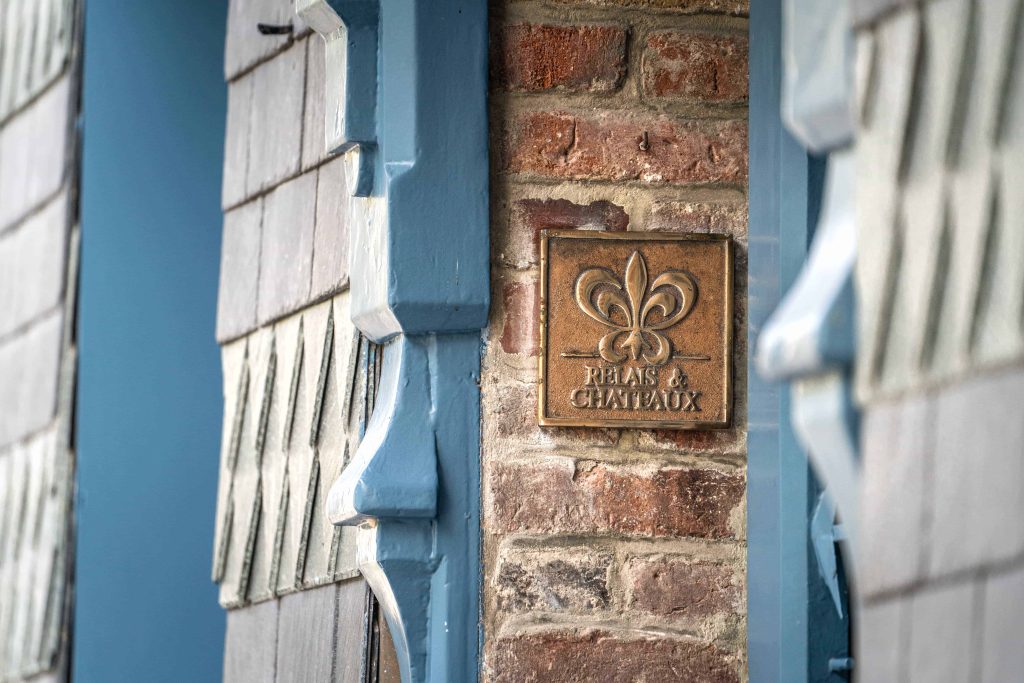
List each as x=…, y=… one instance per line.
x=636, y=330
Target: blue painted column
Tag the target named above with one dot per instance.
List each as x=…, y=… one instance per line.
x=792, y=627
x=149, y=404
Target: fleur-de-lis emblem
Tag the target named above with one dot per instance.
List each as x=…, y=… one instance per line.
x=636, y=313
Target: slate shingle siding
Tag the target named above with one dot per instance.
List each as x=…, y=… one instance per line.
x=297, y=375
x=39, y=83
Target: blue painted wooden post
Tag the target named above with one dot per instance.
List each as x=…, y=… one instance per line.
x=793, y=629
x=411, y=120
x=149, y=396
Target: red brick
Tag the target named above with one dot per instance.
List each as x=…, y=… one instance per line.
x=596, y=656
x=733, y=7
x=681, y=587
x=514, y=416
x=522, y=310
x=554, y=580
x=539, y=57
x=530, y=216
x=553, y=497
x=696, y=67
x=612, y=146
x=714, y=217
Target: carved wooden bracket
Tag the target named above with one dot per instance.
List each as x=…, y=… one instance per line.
x=406, y=104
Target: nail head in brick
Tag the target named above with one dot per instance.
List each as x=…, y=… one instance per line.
x=606, y=146
x=539, y=57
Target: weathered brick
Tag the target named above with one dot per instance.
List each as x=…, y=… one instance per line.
x=692, y=440
x=275, y=129
x=239, y=270
x=330, y=245
x=529, y=216
x=33, y=153
x=593, y=656
x=612, y=146
x=556, y=496
x=732, y=7
x=513, y=419
x=539, y=57
x=681, y=587
x=244, y=44
x=705, y=217
x=556, y=579
x=286, y=249
x=696, y=67
x=521, y=305
x=32, y=265
x=30, y=366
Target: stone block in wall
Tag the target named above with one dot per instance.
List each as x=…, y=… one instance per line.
x=728, y=218
x=32, y=265
x=897, y=456
x=682, y=588
x=553, y=579
x=558, y=495
x=245, y=45
x=942, y=633
x=1001, y=654
x=30, y=365
x=236, y=141
x=520, y=305
x=33, y=153
x=731, y=7
x=275, y=128
x=600, y=655
x=977, y=505
x=625, y=146
x=239, y=270
x=330, y=243
x=286, y=250
x=519, y=244
x=529, y=57
x=695, y=67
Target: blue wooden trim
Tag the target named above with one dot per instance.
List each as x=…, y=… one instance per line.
x=149, y=390
x=420, y=284
x=791, y=621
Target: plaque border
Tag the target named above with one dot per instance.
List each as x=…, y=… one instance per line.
x=546, y=236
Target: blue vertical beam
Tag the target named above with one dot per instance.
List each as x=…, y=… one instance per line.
x=149, y=404
x=787, y=629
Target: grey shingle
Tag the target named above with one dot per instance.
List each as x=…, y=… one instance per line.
x=287, y=247
x=330, y=250
x=239, y=270
x=275, y=129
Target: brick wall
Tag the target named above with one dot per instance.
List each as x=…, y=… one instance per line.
x=940, y=153
x=610, y=554
x=39, y=84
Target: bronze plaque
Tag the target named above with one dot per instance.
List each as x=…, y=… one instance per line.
x=636, y=330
